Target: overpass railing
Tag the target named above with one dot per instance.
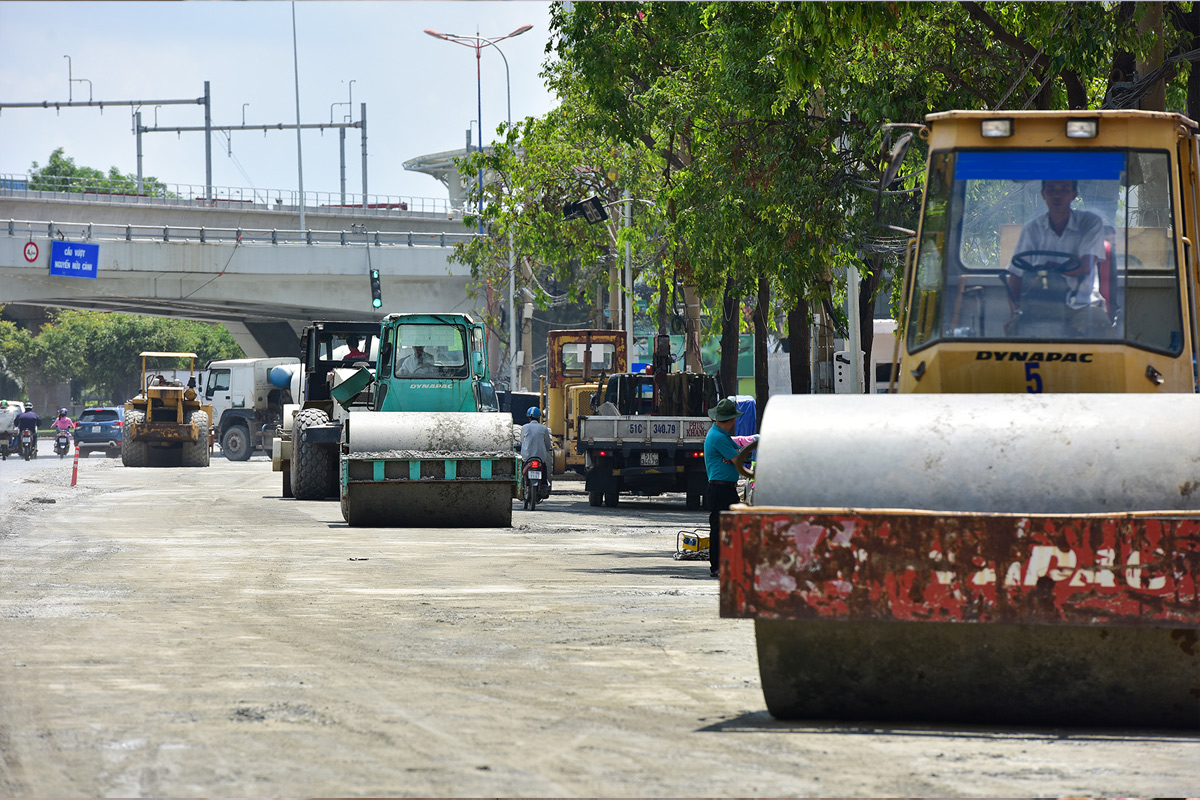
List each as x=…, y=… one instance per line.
x=99, y=190
x=97, y=231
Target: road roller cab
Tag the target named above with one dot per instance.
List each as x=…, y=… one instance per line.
x=1015, y=537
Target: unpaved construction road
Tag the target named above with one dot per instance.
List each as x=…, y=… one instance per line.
x=189, y=633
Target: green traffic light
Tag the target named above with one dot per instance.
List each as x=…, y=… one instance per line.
x=376, y=289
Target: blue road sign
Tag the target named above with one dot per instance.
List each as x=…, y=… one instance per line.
x=74, y=260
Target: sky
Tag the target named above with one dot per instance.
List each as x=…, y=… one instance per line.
x=420, y=92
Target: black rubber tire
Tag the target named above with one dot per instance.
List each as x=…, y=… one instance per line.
x=134, y=453
x=196, y=454
x=531, y=490
x=612, y=497
x=312, y=467
x=595, y=498
x=287, y=478
x=235, y=443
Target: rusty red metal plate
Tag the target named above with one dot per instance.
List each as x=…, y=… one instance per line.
x=923, y=566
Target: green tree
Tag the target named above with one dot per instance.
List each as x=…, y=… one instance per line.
x=61, y=174
x=98, y=350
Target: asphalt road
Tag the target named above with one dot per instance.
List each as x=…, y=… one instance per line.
x=171, y=632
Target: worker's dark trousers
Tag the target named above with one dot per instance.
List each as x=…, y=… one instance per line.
x=721, y=495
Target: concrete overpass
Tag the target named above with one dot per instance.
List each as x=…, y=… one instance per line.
x=241, y=262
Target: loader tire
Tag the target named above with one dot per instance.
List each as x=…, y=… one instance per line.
x=195, y=454
x=312, y=466
x=134, y=453
x=235, y=443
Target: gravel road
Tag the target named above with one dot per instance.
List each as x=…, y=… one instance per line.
x=174, y=632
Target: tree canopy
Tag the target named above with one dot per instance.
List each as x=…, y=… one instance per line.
x=750, y=133
x=97, y=351
x=62, y=174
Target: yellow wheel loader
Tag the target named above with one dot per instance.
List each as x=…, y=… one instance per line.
x=1014, y=536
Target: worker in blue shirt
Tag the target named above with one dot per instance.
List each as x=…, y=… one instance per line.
x=719, y=452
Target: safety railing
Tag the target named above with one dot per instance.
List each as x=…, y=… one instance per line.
x=97, y=231
x=100, y=190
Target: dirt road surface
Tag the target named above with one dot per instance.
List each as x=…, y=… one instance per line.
x=189, y=633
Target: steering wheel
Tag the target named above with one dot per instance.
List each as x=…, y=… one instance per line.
x=1064, y=262
x=739, y=461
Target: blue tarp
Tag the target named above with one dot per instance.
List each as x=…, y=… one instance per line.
x=747, y=423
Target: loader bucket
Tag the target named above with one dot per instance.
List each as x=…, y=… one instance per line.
x=409, y=469
x=974, y=558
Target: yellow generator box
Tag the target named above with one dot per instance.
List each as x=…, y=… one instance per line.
x=691, y=544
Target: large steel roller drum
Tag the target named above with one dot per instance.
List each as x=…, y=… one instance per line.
x=435, y=436
x=992, y=454
x=391, y=434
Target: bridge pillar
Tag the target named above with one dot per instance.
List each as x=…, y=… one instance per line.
x=265, y=338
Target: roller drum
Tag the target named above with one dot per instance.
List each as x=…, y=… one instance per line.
x=986, y=453
x=435, y=438
x=432, y=435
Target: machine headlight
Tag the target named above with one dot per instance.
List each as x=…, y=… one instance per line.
x=1082, y=128
x=995, y=128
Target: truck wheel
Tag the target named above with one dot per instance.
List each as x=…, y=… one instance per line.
x=595, y=498
x=612, y=496
x=235, y=443
x=134, y=453
x=195, y=454
x=312, y=466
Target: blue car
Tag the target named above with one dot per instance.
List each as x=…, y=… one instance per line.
x=100, y=429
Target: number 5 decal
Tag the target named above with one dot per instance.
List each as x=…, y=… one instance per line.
x=1032, y=377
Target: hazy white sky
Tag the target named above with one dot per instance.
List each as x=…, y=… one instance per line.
x=420, y=91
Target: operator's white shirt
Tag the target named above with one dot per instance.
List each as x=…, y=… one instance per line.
x=1083, y=236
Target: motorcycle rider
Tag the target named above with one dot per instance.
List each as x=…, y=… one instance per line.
x=28, y=419
x=63, y=422
x=536, y=443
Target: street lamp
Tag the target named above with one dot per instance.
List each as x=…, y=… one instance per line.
x=478, y=43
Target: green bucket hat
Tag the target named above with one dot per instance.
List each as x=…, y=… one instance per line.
x=726, y=409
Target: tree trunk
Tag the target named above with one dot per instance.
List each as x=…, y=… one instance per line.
x=1152, y=23
x=1193, y=85
x=664, y=295
x=868, y=287
x=525, y=328
x=691, y=327
x=730, y=329
x=762, y=386
x=799, y=343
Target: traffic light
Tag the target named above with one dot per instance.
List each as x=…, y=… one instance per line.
x=376, y=289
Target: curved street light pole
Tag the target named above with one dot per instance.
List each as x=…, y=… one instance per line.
x=478, y=42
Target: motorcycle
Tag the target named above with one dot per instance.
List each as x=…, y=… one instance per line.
x=6, y=444
x=27, y=447
x=62, y=443
x=535, y=484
